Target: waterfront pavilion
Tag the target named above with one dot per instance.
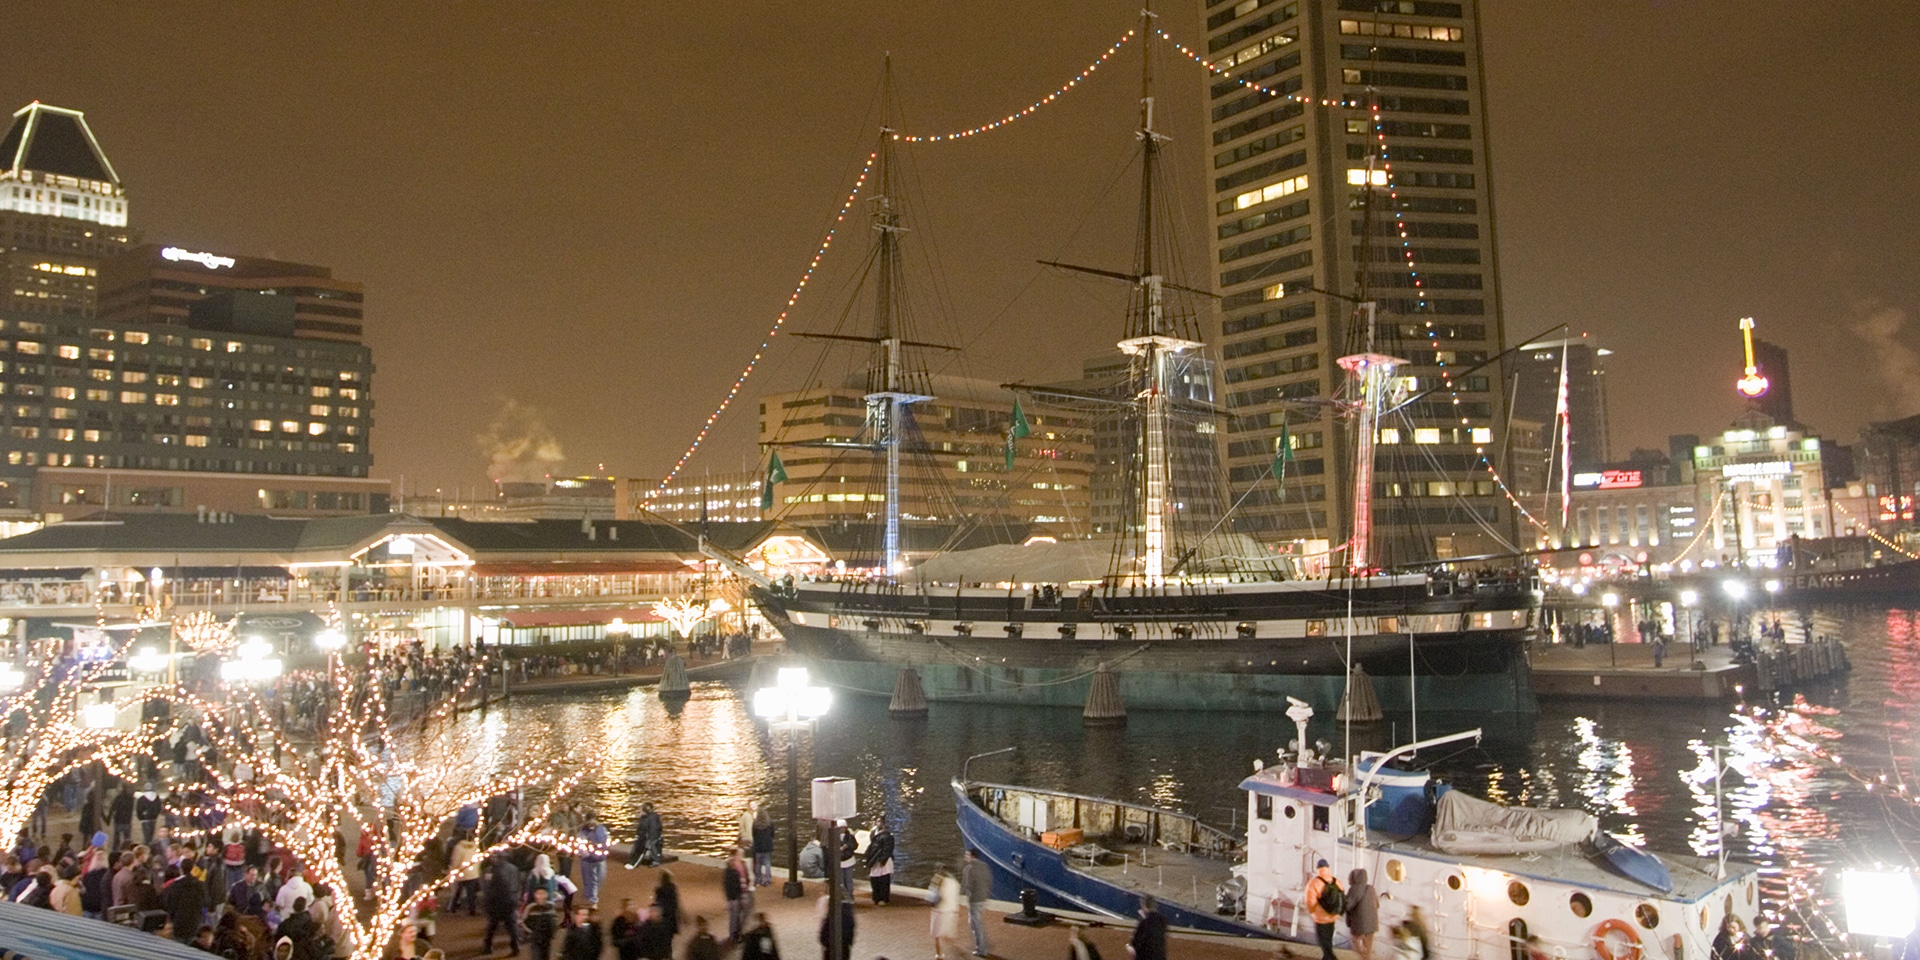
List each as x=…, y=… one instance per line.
x=442, y=581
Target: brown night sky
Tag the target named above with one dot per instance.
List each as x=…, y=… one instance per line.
x=596, y=209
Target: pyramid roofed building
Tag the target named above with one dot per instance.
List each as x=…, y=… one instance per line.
x=51, y=164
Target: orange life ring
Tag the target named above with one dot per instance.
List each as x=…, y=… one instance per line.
x=1604, y=949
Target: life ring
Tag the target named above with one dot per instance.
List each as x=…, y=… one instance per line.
x=1603, y=949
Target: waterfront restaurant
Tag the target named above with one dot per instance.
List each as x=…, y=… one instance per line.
x=441, y=581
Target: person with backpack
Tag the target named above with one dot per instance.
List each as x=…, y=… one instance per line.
x=1325, y=903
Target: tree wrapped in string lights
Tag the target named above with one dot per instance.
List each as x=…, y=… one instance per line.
x=47, y=731
x=685, y=613
x=359, y=776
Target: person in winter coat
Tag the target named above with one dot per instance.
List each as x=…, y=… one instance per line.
x=583, y=940
x=593, y=860
x=846, y=930
x=542, y=920
x=763, y=837
x=647, y=839
x=880, y=863
x=813, y=860
x=186, y=904
x=1323, y=919
x=976, y=881
x=1363, y=913
x=849, y=855
x=666, y=904
x=759, y=943
x=146, y=809
x=702, y=946
x=500, y=895
x=1150, y=934
x=120, y=814
x=736, y=883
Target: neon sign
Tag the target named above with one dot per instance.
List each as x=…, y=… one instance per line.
x=1886, y=507
x=1610, y=479
x=1771, y=468
x=1751, y=384
x=209, y=260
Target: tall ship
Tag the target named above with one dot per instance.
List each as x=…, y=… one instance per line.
x=1181, y=611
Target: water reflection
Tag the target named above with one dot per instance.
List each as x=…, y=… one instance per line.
x=1645, y=770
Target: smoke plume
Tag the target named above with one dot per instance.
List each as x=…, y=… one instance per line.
x=1898, y=365
x=518, y=445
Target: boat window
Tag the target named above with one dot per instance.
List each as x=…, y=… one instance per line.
x=1749, y=894
x=1389, y=625
x=1581, y=904
x=1517, y=892
x=1647, y=916
x=1454, y=882
x=1396, y=871
x=1320, y=818
x=1263, y=806
x=1291, y=812
x=1316, y=628
x=1726, y=909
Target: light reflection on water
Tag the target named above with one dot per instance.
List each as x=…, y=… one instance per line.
x=1644, y=769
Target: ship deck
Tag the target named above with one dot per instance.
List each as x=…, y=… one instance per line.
x=1170, y=875
x=1693, y=877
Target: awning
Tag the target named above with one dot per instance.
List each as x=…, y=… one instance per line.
x=528, y=619
x=30, y=933
x=577, y=568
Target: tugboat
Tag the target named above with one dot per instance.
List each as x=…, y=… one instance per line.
x=1487, y=877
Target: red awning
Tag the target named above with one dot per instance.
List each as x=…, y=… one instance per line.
x=576, y=568
x=525, y=619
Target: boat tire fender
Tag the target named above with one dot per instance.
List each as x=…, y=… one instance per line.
x=1603, y=947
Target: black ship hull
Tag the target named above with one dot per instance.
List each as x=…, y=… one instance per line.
x=1207, y=647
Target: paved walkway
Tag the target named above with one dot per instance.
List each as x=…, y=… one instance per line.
x=898, y=931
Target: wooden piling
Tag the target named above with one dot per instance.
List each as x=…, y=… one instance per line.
x=673, y=679
x=1361, y=704
x=908, y=698
x=1104, y=706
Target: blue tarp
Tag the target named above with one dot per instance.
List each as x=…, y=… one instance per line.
x=31, y=933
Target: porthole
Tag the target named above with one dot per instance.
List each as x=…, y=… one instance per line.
x=1581, y=905
x=1517, y=892
x=1703, y=918
x=1749, y=894
x=1455, y=882
x=1291, y=812
x=1646, y=916
x=1726, y=909
x=1396, y=871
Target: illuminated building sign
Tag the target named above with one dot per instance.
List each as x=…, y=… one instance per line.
x=209, y=260
x=1771, y=468
x=1886, y=508
x=1609, y=479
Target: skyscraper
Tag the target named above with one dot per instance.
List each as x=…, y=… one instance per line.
x=62, y=212
x=1383, y=197
x=1536, y=394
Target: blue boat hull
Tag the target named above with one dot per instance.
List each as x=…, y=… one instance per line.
x=1019, y=863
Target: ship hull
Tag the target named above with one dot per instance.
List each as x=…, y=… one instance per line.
x=1222, y=652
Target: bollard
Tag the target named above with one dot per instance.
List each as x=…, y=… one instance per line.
x=673, y=679
x=908, y=698
x=1360, y=704
x=1104, y=705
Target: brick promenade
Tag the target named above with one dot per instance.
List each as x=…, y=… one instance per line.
x=897, y=931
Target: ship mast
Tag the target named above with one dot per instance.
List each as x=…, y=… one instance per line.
x=1150, y=343
x=886, y=379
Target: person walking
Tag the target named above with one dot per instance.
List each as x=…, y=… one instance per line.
x=736, y=882
x=1149, y=940
x=976, y=881
x=583, y=940
x=747, y=818
x=849, y=856
x=593, y=859
x=466, y=863
x=826, y=929
x=1363, y=913
x=762, y=849
x=944, y=926
x=759, y=943
x=542, y=921
x=1325, y=902
x=702, y=946
x=1078, y=948
x=666, y=904
x=500, y=895
x=880, y=864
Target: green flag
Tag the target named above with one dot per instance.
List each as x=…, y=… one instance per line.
x=1016, y=429
x=776, y=473
x=1282, y=454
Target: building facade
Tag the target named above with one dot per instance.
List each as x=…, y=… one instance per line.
x=953, y=463
x=1757, y=486
x=63, y=213
x=1392, y=190
x=174, y=286
x=731, y=497
x=85, y=393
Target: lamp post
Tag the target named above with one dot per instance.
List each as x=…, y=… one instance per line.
x=1609, y=601
x=791, y=704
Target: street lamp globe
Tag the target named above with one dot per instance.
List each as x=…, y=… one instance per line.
x=1610, y=600
x=1689, y=597
x=330, y=639
x=792, y=702
x=147, y=660
x=1735, y=589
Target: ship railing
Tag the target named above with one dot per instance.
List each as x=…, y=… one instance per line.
x=1131, y=823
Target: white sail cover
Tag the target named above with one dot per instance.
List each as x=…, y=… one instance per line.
x=1467, y=824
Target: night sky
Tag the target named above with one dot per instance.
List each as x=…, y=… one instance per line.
x=590, y=213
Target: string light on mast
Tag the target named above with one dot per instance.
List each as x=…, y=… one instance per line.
x=1085, y=73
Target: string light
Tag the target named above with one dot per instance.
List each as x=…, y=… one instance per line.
x=740, y=381
x=55, y=739
x=1029, y=109
x=1509, y=493
x=396, y=787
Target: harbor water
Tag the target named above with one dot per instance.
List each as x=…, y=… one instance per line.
x=1645, y=769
